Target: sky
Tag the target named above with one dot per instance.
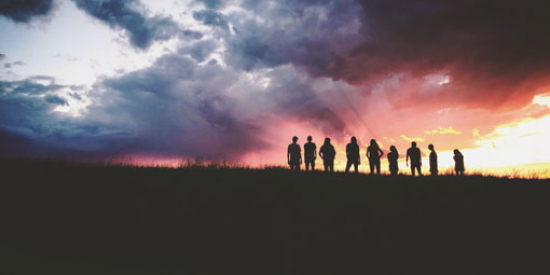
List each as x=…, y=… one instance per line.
x=164, y=81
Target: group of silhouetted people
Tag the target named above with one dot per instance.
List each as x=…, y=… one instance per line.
x=374, y=154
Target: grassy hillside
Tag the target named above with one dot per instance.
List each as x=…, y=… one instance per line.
x=99, y=219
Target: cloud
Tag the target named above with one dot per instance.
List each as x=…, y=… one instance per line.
x=418, y=139
x=23, y=11
x=199, y=50
x=542, y=100
x=212, y=4
x=444, y=131
x=172, y=108
x=31, y=86
x=30, y=127
x=211, y=18
x=270, y=67
x=484, y=54
x=24, y=107
x=55, y=100
x=493, y=51
x=142, y=30
x=176, y=107
x=310, y=34
x=13, y=64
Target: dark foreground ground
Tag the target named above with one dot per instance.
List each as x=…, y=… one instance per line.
x=68, y=219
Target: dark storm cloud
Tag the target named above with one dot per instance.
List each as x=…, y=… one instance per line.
x=24, y=108
x=312, y=34
x=142, y=30
x=496, y=36
x=199, y=50
x=175, y=108
x=16, y=63
x=178, y=108
x=189, y=103
x=212, y=4
x=295, y=100
x=28, y=86
x=30, y=128
x=211, y=18
x=24, y=10
x=56, y=100
x=496, y=52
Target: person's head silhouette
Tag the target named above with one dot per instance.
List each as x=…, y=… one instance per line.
x=413, y=144
x=456, y=151
x=373, y=143
x=309, y=138
x=327, y=140
x=431, y=147
x=294, y=139
x=393, y=149
x=353, y=140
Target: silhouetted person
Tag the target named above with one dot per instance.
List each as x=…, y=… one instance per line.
x=310, y=154
x=327, y=153
x=433, y=161
x=352, y=153
x=459, y=163
x=294, y=155
x=393, y=155
x=416, y=160
x=374, y=154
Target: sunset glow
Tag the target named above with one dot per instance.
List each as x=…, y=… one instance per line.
x=161, y=82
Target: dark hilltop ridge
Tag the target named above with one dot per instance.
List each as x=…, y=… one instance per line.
x=64, y=218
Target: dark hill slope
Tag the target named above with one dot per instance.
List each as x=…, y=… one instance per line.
x=67, y=218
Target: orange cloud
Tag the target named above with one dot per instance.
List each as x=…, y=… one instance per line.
x=444, y=131
x=418, y=139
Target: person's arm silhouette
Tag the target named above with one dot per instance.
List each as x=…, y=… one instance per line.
x=315, y=153
x=381, y=152
x=407, y=158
